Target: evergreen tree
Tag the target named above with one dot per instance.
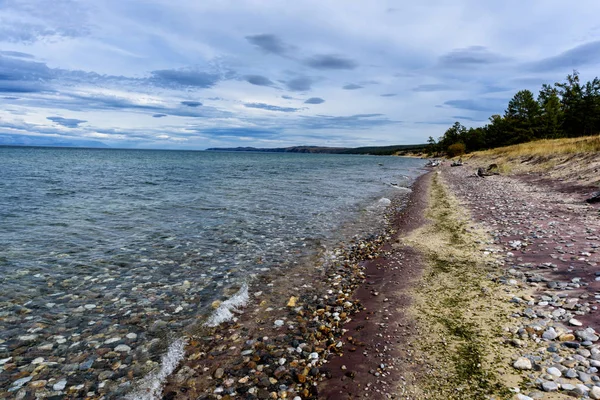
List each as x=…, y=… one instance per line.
x=551, y=113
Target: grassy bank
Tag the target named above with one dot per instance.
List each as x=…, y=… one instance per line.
x=460, y=311
x=576, y=160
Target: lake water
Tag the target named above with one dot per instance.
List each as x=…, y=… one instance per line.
x=100, y=248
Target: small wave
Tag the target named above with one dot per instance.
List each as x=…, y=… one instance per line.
x=150, y=387
x=384, y=202
x=224, y=312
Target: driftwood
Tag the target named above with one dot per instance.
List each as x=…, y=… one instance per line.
x=594, y=199
x=492, y=169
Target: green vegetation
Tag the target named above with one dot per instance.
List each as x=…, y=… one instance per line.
x=566, y=110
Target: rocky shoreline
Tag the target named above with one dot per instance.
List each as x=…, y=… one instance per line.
x=545, y=242
x=478, y=288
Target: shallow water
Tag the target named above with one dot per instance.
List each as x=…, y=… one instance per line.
x=98, y=244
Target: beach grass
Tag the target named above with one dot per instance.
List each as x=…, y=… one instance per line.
x=574, y=160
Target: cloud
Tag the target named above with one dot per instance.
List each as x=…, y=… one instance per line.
x=66, y=122
x=330, y=61
x=259, y=80
x=269, y=43
x=184, y=78
x=300, y=84
x=237, y=132
x=488, y=105
x=288, y=97
x=352, y=86
x=582, y=55
x=32, y=140
x=388, y=95
x=462, y=117
x=470, y=57
x=314, y=100
x=432, y=87
x=16, y=54
x=28, y=21
x=191, y=103
x=20, y=87
x=13, y=69
x=159, y=115
x=356, y=121
x=269, y=107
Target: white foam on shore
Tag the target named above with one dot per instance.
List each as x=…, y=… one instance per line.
x=225, y=311
x=150, y=387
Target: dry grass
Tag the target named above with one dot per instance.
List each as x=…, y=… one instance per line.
x=574, y=160
x=548, y=147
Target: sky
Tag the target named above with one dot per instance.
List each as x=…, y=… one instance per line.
x=191, y=74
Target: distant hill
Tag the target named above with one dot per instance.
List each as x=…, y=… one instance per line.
x=373, y=150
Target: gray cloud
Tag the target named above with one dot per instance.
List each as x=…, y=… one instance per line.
x=488, y=105
x=462, y=117
x=352, y=86
x=191, y=103
x=16, y=54
x=330, y=61
x=259, y=80
x=357, y=121
x=314, y=100
x=31, y=140
x=20, y=87
x=299, y=84
x=432, y=87
x=237, y=132
x=159, y=115
x=269, y=43
x=184, y=78
x=269, y=107
x=585, y=54
x=388, y=95
x=470, y=57
x=13, y=69
x=66, y=122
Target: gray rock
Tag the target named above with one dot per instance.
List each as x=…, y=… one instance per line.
x=550, y=334
x=60, y=385
x=549, y=386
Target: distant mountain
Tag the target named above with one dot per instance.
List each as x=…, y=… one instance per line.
x=373, y=150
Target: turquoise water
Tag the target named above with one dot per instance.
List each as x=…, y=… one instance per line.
x=93, y=239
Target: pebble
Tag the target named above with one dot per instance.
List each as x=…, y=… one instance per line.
x=60, y=385
x=575, y=322
x=549, y=386
x=523, y=363
x=123, y=348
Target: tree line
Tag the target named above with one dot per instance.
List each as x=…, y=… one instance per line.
x=565, y=109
